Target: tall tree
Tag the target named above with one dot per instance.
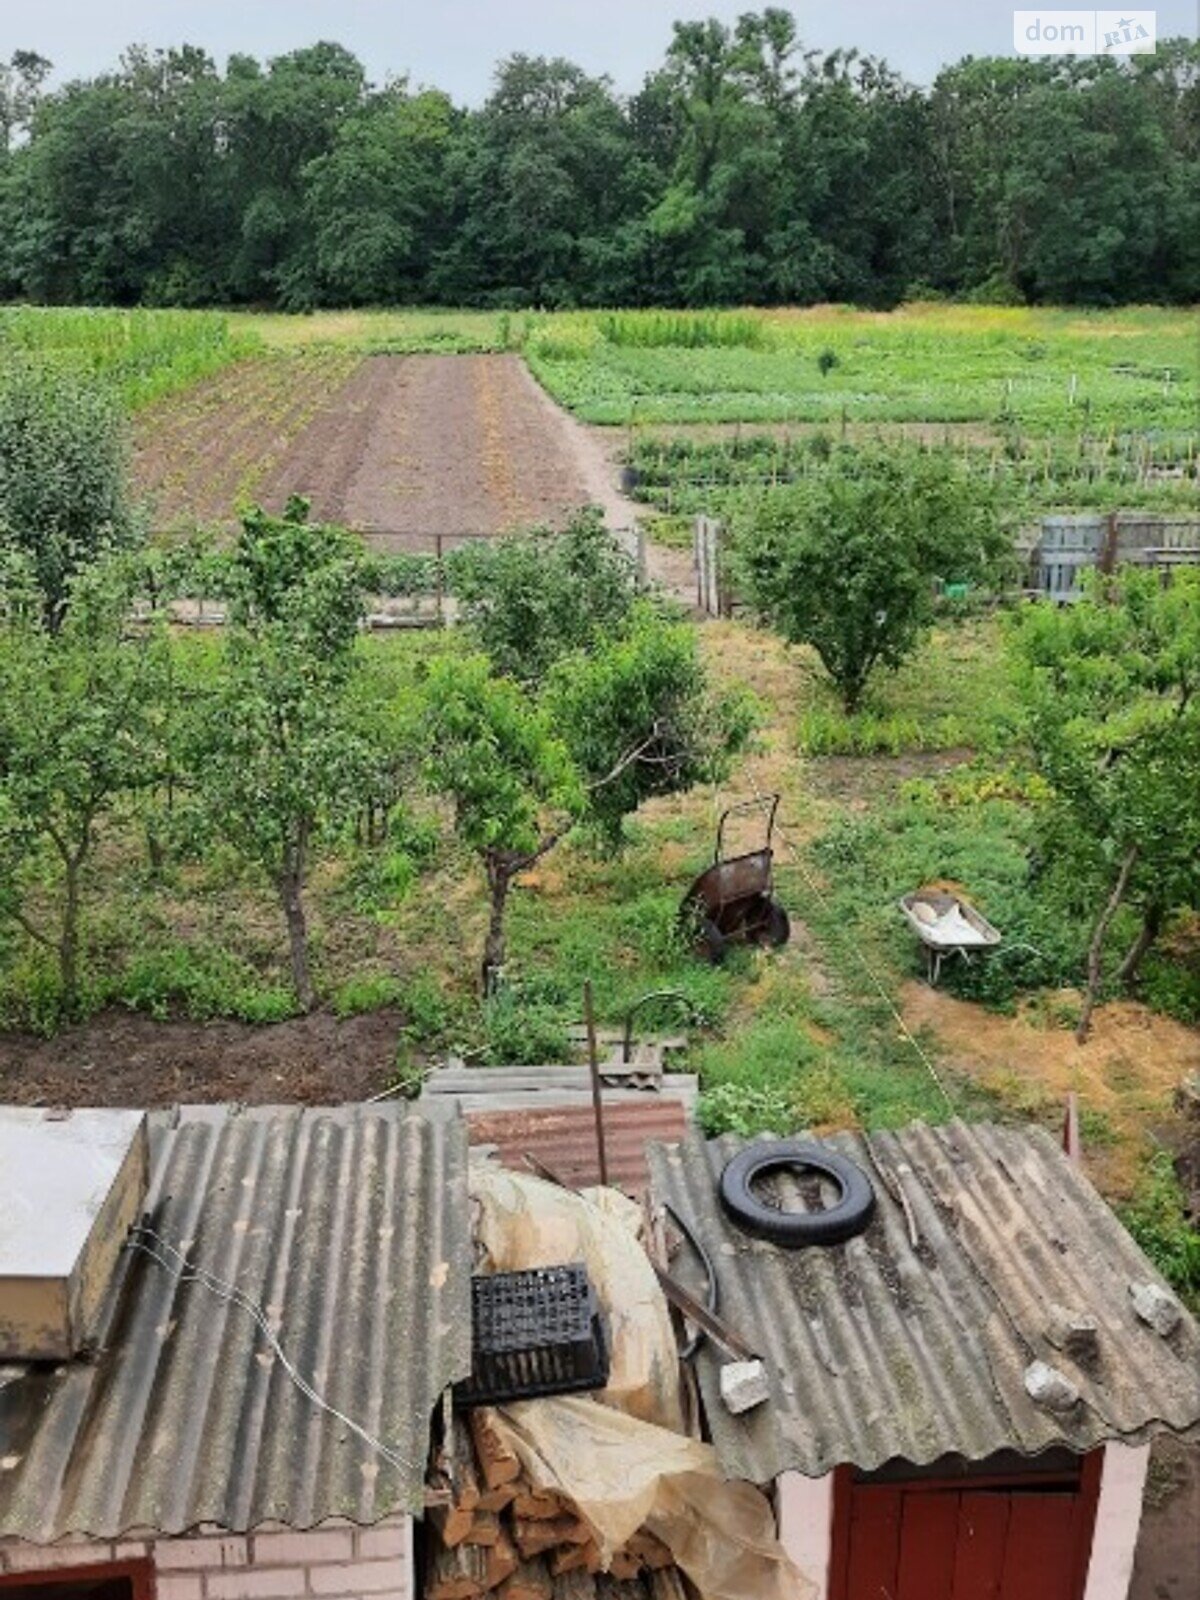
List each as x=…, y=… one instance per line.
x=745, y=169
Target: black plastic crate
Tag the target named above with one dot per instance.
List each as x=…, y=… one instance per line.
x=535, y=1333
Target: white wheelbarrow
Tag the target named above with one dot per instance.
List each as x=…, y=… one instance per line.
x=946, y=926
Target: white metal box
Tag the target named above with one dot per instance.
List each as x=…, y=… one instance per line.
x=71, y=1185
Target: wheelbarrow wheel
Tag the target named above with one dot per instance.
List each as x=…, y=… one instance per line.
x=778, y=927
x=711, y=943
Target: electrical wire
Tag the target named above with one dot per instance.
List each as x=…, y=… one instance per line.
x=175, y=1262
x=876, y=982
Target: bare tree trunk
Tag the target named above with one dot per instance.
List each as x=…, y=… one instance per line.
x=291, y=898
x=1096, y=950
x=155, y=854
x=68, y=943
x=499, y=877
x=1148, y=932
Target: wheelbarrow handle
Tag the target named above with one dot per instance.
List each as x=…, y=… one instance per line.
x=744, y=808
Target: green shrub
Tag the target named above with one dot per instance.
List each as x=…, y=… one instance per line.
x=687, y=330
x=433, y=1019
x=518, y=1033
x=1171, y=988
x=202, y=981
x=31, y=994
x=366, y=992
x=1157, y=1219
x=746, y=1109
x=63, y=499
x=533, y=598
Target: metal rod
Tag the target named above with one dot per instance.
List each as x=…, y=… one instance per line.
x=695, y=1311
x=597, y=1092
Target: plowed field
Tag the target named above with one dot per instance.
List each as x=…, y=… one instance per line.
x=406, y=448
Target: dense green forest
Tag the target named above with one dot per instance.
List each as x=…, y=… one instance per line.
x=745, y=169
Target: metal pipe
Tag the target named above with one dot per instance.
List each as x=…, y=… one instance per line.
x=597, y=1091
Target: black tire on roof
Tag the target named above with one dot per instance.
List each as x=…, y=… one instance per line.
x=848, y=1216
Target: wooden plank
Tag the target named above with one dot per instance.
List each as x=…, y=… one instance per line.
x=502, y=1561
x=1039, y=1552
x=677, y=1086
x=497, y=1463
x=458, y=1574
x=536, y=1536
x=531, y=1581
x=874, y=1543
x=540, y=1503
x=577, y=1585
x=928, y=1531
x=979, y=1549
x=453, y=1523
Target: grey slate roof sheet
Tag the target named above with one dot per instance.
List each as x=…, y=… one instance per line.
x=350, y=1226
x=881, y=1348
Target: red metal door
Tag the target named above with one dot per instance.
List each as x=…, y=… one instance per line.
x=996, y=1539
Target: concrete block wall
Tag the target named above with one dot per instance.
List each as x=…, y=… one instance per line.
x=333, y=1562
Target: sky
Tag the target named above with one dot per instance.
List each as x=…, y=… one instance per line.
x=454, y=44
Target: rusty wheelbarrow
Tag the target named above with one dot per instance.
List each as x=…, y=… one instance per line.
x=733, y=902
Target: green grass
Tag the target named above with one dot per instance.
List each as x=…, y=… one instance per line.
x=399, y=332
x=802, y=1063
x=1047, y=371
x=145, y=354
x=954, y=693
x=985, y=848
x=1037, y=371
x=1157, y=1219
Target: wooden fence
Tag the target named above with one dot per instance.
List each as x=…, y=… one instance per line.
x=713, y=595
x=1069, y=546
x=1059, y=551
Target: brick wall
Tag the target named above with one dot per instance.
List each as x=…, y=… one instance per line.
x=333, y=1562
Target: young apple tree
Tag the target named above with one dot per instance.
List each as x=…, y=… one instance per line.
x=534, y=597
x=81, y=736
x=1112, y=689
x=278, y=756
x=847, y=561
x=608, y=728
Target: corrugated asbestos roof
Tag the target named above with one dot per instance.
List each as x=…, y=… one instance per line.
x=564, y=1139
x=879, y=1348
x=350, y=1226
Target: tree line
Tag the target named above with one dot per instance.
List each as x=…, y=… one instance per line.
x=746, y=169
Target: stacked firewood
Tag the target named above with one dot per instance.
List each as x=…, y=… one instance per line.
x=497, y=1533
